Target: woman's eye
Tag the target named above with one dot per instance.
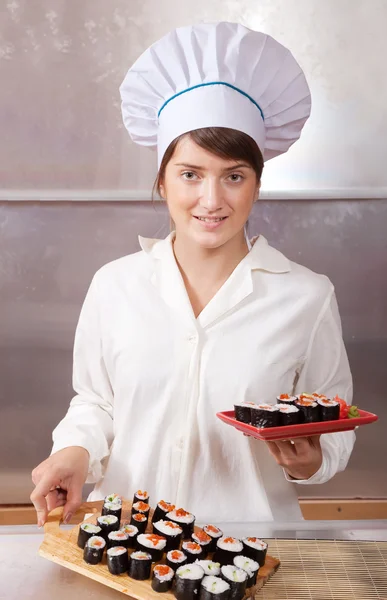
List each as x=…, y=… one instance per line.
x=189, y=176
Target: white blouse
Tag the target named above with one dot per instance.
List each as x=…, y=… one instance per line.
x=149, y=378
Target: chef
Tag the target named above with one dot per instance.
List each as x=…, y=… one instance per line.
x=205, y=318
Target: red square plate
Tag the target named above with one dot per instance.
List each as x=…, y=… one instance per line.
x=295, y=431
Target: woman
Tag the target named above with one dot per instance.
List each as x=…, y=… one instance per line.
x=171, y=335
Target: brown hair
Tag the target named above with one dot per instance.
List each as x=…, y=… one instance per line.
x=221, y=141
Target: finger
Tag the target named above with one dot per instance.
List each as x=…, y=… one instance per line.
x=38, y=498
x=286, y=448
x=55, y=499
x=74, y=500
x=274, y=450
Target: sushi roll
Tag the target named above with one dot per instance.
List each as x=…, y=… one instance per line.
x=111, y=508
x=243, y=411
x=93, y=551
x=153, y=544
x=142, y=508
x=118, y=538
x=184, y=519
x=202, y=538
x=255, y=548
x=227, y=548
x=214, y=588
x=140, y=564
x=140, y=521
x=132, y=533
x=309, y=409
x=162, y=578
x=161, y=511
x=286, y=399
x=113, y=499
x=265, y=415
x=215, y=533
x=117, y=560
x=176, y=559
x=187, y=583
x=289, y=414
x=209, y=567
x=86, y=531
x=329, y=409
x=141, y=496
x=193, y=551
x=171, y=531
x=250, y=566
x=237, y=579
x=108, y=523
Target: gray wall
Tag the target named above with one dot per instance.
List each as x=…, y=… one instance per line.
x=50, y=251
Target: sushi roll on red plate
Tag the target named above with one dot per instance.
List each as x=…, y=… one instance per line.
x=215, y=534
x=329, y=409
x=214, y=588
x=289, y=414
x=227, y=548
x=237, y=579
x=250, y=566
x=176, y=559
x=202, y=538
x=161, y=511
x=171, y=531
x=286, y=399
x=141, y=496
x=184, y=519
x=162, y=578
x=140, y=521
x=265, y=415
x=86, y=531
x=140, y=564
x=187, y=582
x=193, y=551
x=309, y=409
x=117, y=560
x=255, y=548
x=153, y=544
x=242, y=412
x=94, y=549
x=132, y=533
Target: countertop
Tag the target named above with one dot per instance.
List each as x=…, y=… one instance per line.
x=25, y=575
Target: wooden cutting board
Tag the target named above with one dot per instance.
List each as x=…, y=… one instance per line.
x=60, y=546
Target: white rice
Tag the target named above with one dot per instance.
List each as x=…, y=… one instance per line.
x=197, y=539
x=91, y=528
x=246, y=564
x=234, y=574
x=172, y=516
x=130, y=530
x=286, y=400
x=144, y=540
x=255, y=543
x=96, y=542
x=113, y=499
x=170, y=575
x=181, y=556
x=168, y=528
x=140, y=555
x=186, y=548
x=117, y=551
x=215, y=584
x=326, y=402
x=209, y=567
x=212, y=534
x=234, y=546
x=142, y=495
x=267, y=407
x=108, y=520
x=140, y=517
x=190, y=572
x=112, y=506
x=249, y=404
x=287, y=408
x=118, y=535
x=136, y=507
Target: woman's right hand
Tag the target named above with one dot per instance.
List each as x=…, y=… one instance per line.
x=59, y=481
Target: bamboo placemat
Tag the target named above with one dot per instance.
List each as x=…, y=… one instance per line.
x=327, y=570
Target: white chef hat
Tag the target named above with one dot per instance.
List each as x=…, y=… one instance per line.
x=216, y=75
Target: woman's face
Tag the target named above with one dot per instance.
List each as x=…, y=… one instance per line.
x=209, y=198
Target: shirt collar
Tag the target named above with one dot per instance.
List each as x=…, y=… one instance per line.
x=261, y=256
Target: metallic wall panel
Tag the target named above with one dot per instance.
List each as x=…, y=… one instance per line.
x=49, y=253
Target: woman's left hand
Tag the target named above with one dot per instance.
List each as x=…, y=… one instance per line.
x=301, y=458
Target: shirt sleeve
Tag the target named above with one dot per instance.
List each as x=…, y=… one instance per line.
x=89, y=420
x=326, y=371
